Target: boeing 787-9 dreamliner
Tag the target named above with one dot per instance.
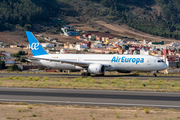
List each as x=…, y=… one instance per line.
x=94, y=63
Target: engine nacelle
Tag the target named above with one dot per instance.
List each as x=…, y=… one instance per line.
x=122, y=71
x=96, y=69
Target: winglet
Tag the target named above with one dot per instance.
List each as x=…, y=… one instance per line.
x=35, y=46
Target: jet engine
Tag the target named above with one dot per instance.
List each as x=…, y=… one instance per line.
x=122, y=71
x=96, y=69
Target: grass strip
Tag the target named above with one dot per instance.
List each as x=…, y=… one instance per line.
x=163, y=85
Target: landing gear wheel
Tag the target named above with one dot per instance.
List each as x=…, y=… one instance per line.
x=85, y=74
x=154, y=75
x=99, y=74
x=102, y=75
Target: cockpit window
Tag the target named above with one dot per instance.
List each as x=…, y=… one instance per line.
x=160, y=61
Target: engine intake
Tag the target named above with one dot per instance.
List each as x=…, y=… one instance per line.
x=96, y=69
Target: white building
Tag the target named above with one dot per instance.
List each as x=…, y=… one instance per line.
x=174, y=44
x=9, y=61
x=79, y=47
x=96, y=45
x=143, y=52
x=48, y=45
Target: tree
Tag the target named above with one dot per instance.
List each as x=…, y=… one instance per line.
x=14, y=68
x=2, y=64
x=178, y=64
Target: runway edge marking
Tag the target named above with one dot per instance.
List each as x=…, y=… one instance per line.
x=90, y=103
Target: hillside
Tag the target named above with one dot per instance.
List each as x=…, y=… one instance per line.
x=11, y=39
x=156, y=17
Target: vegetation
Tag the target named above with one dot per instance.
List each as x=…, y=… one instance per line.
x=163, y=85
x=23, y=13
x=117, y=115
x=178, y=64
x=19, y=54
x=146, y=110
x=135, y=114
x=30, y=106
x=81, y=112
x=2, y=64
x=34, y=115
x=14, y=68
x=8, y=117
x=157, y=17
x=139, y=14
x=19, y=109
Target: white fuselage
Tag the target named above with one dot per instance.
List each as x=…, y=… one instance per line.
x=115, y=62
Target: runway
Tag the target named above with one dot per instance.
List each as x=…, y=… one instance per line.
x=91, y=97
x=97, y=77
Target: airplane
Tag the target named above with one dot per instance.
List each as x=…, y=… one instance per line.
x=96, y=64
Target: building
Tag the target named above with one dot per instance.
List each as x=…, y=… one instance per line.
x=81, y=46
x=172, y=60
x=27, y=67
x=48, y=45
x=13, y=46
x=1, y=43
x=9, y=61
x=96, y=46
x=98, y=38
x=66, y=45
x=72, y=46
x=86, y=35
x=92, y=37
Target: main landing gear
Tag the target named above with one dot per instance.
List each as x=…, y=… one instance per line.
x=154, y=73
x=85, y=74
x=100, y=75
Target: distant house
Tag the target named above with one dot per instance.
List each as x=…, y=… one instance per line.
x=86, y=35
x=92, y=37
x=1, y=43
x=26, y=67
x=81, y=46
x=13, y=46
x=2, y=55
x=54, y=41
x=72, y=46
x=78, y=37
x=66, y=45
x=9, y=61
x=96, y=46
x=98, y=38
x=48, y=39
x=48, y=45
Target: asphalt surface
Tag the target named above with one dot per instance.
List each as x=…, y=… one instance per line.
x=91, y=97
x=98, y=77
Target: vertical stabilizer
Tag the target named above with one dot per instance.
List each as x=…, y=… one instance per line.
x=35, y=46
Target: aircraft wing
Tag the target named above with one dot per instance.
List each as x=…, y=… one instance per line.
x=76, y=63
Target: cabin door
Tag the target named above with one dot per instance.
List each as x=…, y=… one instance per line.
x=149, y=61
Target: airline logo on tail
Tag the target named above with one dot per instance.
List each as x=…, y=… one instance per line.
x=34, y=46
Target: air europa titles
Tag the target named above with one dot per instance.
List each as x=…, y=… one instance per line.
x=127, y=60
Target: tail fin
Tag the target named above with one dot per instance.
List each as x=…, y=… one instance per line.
x=35, y=46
